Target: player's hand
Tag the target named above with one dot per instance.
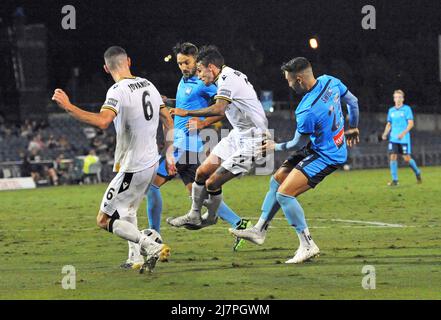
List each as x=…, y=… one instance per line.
x=268, y=146
x=352, y=137
x=61, y=98
x=384, y=137
x=170, y=164
x=401, y=136
x=195, y=124
x=178, y=112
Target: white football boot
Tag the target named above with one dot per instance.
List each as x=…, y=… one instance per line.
x=153, y=252
x=305, y=253
x=252, y=234
x=184, y=221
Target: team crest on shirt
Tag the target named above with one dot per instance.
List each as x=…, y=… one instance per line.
x=188, y=91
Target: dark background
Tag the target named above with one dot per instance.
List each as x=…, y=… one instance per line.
x=255, y=38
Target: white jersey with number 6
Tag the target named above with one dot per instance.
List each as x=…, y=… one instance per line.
x=136, y=103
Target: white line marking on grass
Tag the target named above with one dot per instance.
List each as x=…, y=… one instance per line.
x=375, y=223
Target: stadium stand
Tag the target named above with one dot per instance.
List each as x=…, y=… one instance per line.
x=63, y=142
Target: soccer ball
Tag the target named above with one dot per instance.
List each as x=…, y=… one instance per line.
x=153, y=234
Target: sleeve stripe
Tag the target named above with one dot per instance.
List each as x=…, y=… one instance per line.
x=162, y=106
x=223, y=98
x=347, y=90
x=109, y=108
x=305, y=133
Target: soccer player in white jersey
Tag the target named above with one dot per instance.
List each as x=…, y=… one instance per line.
x=135, y=107
x=235, y=154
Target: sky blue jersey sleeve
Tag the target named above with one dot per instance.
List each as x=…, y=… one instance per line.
x=298, y=142
x=342, y=88
x=353, y=110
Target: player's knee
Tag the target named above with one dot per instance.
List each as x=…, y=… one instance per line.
x=280, y=175
x=102, y=220
x=406, y=159
x=393, y=157
x=212, y=184
x=202, y=175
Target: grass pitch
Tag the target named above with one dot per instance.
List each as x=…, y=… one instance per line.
x=355, y=219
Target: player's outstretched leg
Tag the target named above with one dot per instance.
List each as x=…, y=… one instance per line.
x=193, y=218
x=199, y=194
x=296, y=218
x=150, y=249
x=293, y=186
x=269, y=208
x=135, y=259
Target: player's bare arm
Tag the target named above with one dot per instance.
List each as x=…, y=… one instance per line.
x=409, y=127
x=198, y=124
x=386, y=131
x=217, y=109
x=167, y=126
x=298, y=142
x=101, y=120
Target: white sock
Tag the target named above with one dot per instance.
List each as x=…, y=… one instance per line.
x=198, y=195
x=213, y=205
x=134, y=248
x=262, y=225
x=305, y=238
x=126, y=230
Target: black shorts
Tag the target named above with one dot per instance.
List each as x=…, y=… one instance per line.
x=187, y=163
x=398, y=148
x=311, y=164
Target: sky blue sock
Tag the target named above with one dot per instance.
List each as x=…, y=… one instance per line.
x=228, y=215
x=394, y=169
x=414, y=167
x=293, y=211
x=154, y=208
x=270, y=205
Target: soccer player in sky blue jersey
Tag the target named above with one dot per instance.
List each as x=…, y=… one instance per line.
x=320, y=148
x=399, y=124
x=192, y=94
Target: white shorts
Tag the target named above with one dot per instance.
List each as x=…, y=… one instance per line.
x=239, y=150
x=126, y=191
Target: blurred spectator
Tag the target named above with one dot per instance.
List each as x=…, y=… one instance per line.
x=27, y=168
x=52, y=143
x=63, y=143
x=90, y=159
x=36, y=144
x=51, y=173
x=89, y=132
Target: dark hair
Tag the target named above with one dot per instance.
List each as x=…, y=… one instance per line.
x=210, y=54
x=113, y=52
x=185, y=48
x=296, y=65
